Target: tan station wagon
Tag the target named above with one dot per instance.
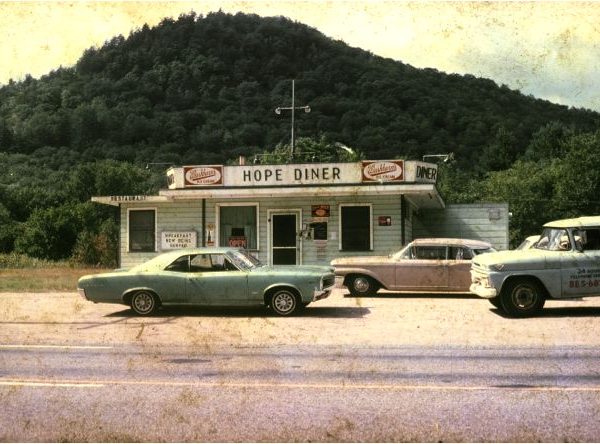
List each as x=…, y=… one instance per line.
x=438, y=265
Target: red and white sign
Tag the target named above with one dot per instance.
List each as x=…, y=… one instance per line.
x=203, y=175
x=383, y=171
x=367, y=172
x=238, y=241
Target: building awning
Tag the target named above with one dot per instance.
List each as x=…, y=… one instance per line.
x=420, y=195
x=414, y=180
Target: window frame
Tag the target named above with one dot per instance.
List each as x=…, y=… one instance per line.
x=577, y=231
x=341, y=223
x=153, y=209
x=218, y=207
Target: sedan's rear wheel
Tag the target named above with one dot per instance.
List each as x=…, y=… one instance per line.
x=144, y=302
x=284, y=302
x=362, y=286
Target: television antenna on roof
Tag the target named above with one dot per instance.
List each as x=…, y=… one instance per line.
x=292, y=108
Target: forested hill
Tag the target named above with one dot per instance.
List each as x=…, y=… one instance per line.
x=204, y=90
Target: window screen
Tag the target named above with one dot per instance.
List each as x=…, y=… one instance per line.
x=356, y=228
x=142, y=235
x=238, y=226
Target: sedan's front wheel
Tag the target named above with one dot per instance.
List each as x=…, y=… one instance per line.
x=144, y=302
x=284, y=302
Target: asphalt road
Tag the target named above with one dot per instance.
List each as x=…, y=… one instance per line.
x=389, y=368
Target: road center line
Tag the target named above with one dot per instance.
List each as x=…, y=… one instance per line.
x=51, y=384
x=65, y=347
x=259, y=385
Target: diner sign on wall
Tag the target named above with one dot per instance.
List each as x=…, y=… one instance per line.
x=365, y=172
x=299, y=174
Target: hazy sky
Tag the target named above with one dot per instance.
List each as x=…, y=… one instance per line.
x=550, y=50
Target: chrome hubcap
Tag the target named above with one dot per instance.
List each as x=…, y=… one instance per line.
x=283, y=302
x=143, y=302
x=524, y=297
x=361, y=284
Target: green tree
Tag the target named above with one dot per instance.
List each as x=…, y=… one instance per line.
x=578, y=181
x=98, y=247
x=310, y=150
x=50, y=233
x=8, y=230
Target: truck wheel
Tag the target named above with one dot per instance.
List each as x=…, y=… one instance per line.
x=496, y=302
x=522, y=297
x=362, y=286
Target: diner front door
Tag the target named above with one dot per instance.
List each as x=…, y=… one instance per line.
x=284, y=238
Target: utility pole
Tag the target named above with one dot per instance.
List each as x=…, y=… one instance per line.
x=292, y=108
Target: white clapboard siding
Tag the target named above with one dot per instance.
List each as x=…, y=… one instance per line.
x=481, y=221
x=187, y=216
x=485, y=221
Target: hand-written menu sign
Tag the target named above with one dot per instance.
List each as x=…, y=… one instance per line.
x=174, y=240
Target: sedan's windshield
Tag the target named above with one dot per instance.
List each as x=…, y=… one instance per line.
x=554, y=239
x=402, y=254
x=243, y=260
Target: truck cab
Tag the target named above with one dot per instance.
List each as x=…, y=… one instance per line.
x=564, y=264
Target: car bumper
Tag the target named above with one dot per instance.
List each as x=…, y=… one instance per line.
x=81, y=292
x=484, y=292
x=321, y=294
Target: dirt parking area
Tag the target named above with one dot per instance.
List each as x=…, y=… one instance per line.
x=389, y=319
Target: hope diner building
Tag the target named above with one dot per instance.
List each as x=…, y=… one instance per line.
x=299, y=213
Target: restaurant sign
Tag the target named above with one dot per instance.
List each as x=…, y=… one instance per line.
x=366, y=172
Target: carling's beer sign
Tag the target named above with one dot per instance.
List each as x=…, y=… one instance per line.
x=383, y=171
x=205, y=175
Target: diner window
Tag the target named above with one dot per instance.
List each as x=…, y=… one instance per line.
x=355, y=227
x=238, y=226
x=142, y=231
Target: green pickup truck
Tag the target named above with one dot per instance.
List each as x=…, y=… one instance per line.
x=564, y=264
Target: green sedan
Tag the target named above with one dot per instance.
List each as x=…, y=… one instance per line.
x=209, y=277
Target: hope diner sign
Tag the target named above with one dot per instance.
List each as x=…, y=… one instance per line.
x=380, y=171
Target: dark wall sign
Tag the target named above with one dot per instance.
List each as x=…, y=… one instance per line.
x=319, y=230
x=385, y=221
